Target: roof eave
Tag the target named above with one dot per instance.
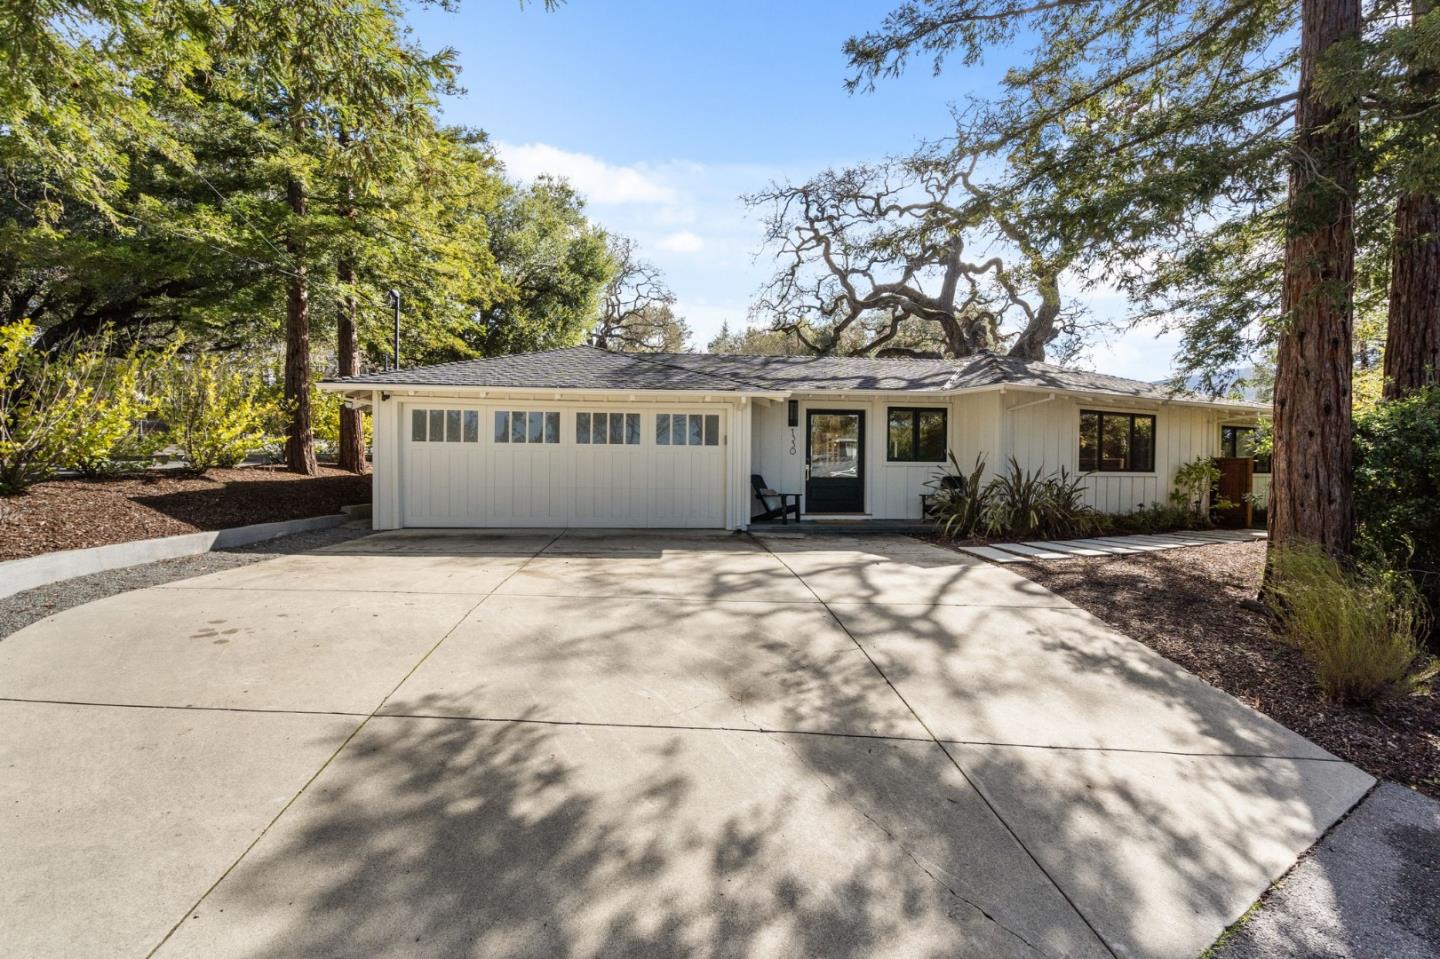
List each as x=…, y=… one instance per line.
x=1181, y=400
x=447, y=389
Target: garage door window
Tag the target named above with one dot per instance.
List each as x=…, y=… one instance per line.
x=608, y=429
x=527, y=426
x=445, y=426
x=687, y=429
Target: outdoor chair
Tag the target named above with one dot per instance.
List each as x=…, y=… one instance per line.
x=948, y=484
x=788, y=503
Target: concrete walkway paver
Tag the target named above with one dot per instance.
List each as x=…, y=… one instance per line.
x=1103, y=545
x=641, y=744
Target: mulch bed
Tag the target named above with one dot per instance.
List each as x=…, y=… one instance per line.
x=79, y=513
x=1190, y=605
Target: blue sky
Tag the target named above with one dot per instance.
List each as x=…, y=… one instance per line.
x=665, y=113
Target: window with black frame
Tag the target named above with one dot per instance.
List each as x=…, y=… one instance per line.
x=1239, y=441
x=1116, y=442
x=915, y=435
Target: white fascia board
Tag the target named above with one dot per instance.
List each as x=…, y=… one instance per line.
x=1121, y=399
x=500, y=392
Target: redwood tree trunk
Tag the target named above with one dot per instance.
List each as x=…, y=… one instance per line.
x=1310, y=493
x=351, y=455
x=300, y=442
x=1412, y=337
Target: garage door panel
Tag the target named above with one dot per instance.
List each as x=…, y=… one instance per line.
x=482, y=481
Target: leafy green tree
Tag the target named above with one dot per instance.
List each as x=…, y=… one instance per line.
x=310, y=74
x=1397, y=486
x=183, y=256
x=1409, y=59
x=756, y=341
x=77, y=89
x=1156, y=135
x=553, y=265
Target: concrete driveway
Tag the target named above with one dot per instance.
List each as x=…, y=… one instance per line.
x=531, y=744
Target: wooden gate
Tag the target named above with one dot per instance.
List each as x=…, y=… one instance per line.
x=1237, y=474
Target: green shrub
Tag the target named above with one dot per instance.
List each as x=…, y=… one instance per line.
x=134, y=451
x=1357, y=627
x=1031, y=505
x=1397, y=487
x=1156, y=518
x=1193, y=482
x=216, y=412
x=78, y=407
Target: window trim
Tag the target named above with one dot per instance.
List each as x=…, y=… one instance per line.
x=1257, y=458
x=512, y=439
x=915, y=412
x=608, y=431
x=688, y=430
x=1130, y=441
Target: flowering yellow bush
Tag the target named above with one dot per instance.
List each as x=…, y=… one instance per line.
x=75, y=408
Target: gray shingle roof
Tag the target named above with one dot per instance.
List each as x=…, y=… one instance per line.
x=818, y=372
x=588, y=368
x=578, y=368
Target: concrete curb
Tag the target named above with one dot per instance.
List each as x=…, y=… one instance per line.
x=17, y=575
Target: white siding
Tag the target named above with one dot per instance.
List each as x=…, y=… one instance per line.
x=892, y=490
x=490, y=484
x=1046, y=436
x=976, y=430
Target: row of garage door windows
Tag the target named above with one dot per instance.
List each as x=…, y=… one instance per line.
x=543, y=426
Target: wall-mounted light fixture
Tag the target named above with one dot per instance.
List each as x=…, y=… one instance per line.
x=792, y=409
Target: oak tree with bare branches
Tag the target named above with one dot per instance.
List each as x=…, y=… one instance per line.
x=637, y=312
x=911, y=256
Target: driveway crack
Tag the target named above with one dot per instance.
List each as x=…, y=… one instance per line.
x=948, y=755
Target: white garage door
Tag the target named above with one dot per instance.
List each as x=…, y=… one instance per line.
x=549, y=464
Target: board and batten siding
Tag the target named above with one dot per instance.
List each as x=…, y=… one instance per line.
x=892, y=490
x=1045, y=436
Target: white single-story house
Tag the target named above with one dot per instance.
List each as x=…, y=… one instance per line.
x=587, y=437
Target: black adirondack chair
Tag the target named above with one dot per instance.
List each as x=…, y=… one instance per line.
x=788, y=503
x=948, y=484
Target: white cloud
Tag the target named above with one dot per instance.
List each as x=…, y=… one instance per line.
x=601, y=182
x=682, y=242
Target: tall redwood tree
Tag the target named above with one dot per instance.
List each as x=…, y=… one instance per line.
x=1412, y=340
x=1310, y=493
